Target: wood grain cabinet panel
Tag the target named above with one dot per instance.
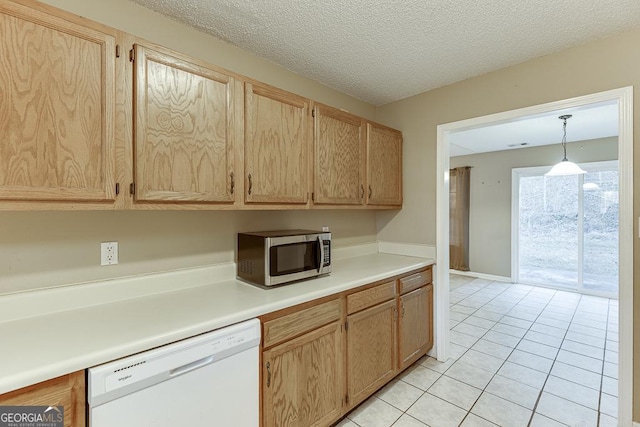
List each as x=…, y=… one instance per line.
x=415, y=325
x=184, y=128
x=384, y=166
x=372, y=296
x=57, y=89
x=67, y=390
x=302, y=381
x=414, y=281
x=291, y=325
x=276, y=157
x=339, y=157
x=371, y=350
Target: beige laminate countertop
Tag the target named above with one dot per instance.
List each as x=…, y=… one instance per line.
x=42, y=347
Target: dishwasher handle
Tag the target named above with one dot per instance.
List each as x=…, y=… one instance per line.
x=191, y=366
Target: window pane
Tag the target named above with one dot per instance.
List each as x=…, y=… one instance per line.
x=548, y=234
x=601, y=231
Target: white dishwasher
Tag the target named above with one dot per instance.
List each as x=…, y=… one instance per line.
x=204, y=381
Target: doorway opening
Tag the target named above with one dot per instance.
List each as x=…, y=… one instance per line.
x=623, y=99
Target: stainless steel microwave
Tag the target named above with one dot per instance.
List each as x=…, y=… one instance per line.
x=271, y=258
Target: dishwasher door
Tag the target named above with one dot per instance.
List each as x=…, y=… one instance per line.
x=208, y=380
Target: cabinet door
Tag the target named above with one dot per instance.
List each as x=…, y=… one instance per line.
x=339, y=157
x=67, y=391
x=302, y=380
x=57, y=89
x=276, y=146
x=371, y=350
x=416, y=325
x=184, y=130
x=384, y=166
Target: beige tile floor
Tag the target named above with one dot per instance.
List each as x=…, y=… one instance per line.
x=521, y=356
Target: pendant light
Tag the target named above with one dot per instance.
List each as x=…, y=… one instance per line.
x=565, y=167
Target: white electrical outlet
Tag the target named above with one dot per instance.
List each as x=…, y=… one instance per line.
x=108, y=253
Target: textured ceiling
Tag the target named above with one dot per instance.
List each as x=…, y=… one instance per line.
x=385, y=50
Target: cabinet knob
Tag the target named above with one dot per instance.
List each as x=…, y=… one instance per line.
x=233, y=182
x=250, y=184
x=268, y=374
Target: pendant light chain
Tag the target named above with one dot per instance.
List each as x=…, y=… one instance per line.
x=565, y=167
x=564, y=137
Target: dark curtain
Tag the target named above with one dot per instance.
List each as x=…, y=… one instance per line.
x=459, y=192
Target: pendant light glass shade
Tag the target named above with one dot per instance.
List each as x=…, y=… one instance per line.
x=565, y=167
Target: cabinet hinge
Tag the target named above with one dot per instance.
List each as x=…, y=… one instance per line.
x=313, y=112
x=132, y=188
x=117, y=51
x=313, y=197
x=346, y=326
x=346, y=399
x=132, y=55
x=117, y=188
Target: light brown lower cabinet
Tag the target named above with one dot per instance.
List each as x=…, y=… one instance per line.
x=415, y=325
x=302, y=380
x=67, y=390
x=323, y=358
x=371, y=350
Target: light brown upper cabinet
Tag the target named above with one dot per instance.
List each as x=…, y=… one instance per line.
x=384, y=165
x=57, y=89
x=276, y=157
x=184, y=129
x=339, y=157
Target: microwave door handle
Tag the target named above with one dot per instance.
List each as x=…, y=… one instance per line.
x=320, y=253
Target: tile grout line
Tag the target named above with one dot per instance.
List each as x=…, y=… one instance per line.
x=484, y=389
x=570, y=322
x=535, y=406
x=575, y=310
x=514, y=348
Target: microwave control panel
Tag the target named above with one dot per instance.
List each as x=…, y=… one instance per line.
x=327, y=253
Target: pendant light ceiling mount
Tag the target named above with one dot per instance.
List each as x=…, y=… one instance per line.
x=565, y=167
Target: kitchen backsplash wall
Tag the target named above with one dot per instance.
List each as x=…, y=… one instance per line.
x=45, y=249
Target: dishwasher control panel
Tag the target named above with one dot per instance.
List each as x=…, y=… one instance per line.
x=110, y=380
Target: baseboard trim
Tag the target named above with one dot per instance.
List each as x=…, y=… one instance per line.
x=482, y=276
x=407, y=249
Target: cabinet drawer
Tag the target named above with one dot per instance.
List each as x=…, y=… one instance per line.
x=372, y=296
x=409, y=283
x=299, y=322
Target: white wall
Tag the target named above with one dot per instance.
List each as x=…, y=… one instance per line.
x=490, y=204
